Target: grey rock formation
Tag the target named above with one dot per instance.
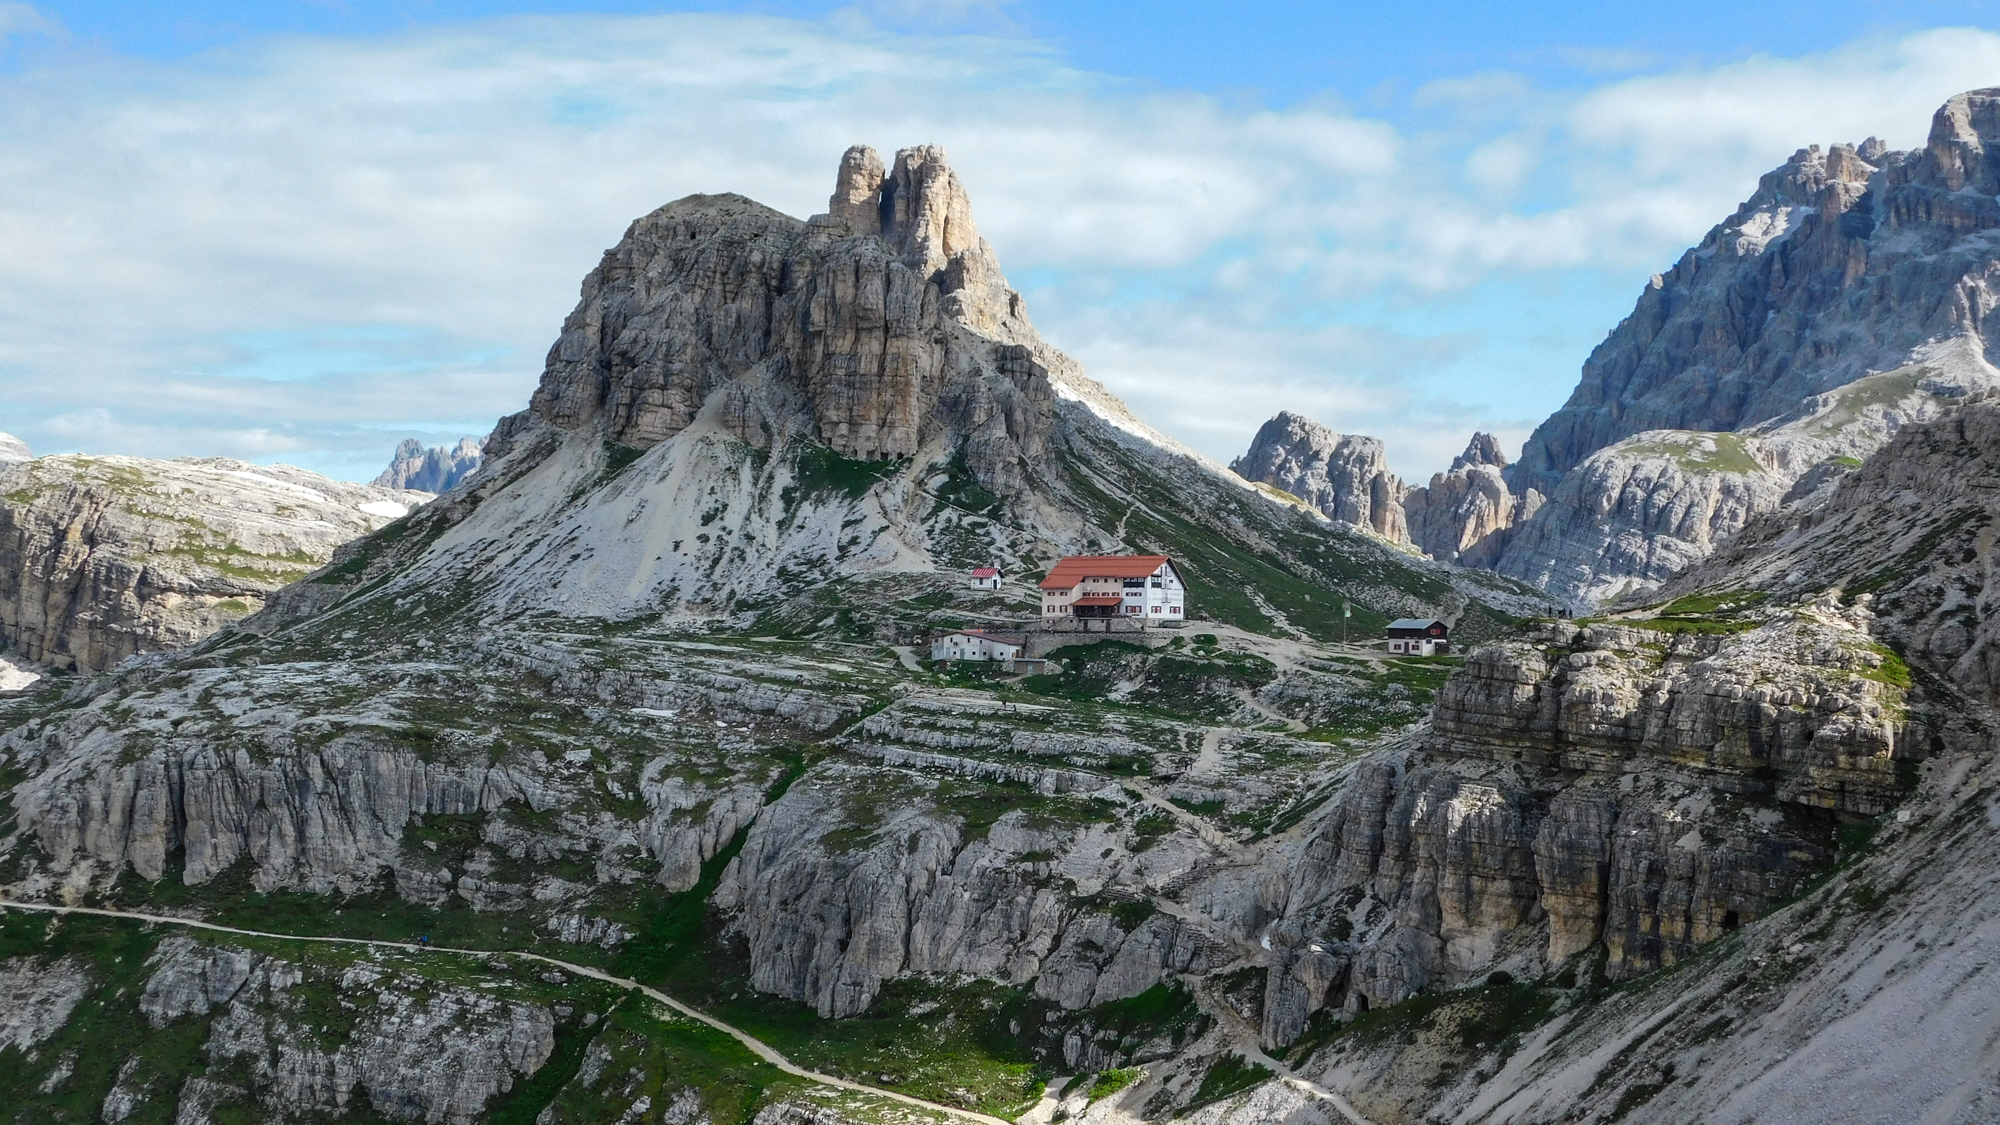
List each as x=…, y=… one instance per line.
x=105, y=557
x=437, y=469
x=415, y=1051
x=1345, y=476
x=1636, y=512
x=36, y=999
x=1906, y=533
x=1463, y=515
x=1846, y=263
x=1571, y=797
x=13, y=449
x=874, y=329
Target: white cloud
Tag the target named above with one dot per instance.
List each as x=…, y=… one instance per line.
x=280, y=249
x=23, y=19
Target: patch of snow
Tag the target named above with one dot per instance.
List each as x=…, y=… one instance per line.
x=15, y=677
x=385, y=508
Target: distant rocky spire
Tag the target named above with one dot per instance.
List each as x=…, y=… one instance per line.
x=430, y=470
x=857, y=193
x=1483, y=449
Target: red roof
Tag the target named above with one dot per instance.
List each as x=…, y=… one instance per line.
x=1076, y=568
x=987, y=572
x=1098, y=599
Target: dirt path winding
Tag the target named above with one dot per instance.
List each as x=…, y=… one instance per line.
x=756, y=1046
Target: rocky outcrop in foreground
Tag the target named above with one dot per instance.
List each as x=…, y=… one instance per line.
x=434, y=470
x=102, y=558
x=1345, y=476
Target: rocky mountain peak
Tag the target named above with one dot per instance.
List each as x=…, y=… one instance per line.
x=1345, y=476
x=1962, y=131
x=844, y=330
x=435, y=469
x=13, y=449
x=1483, y=449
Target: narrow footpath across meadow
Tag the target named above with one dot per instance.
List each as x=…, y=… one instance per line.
x=756, y=1046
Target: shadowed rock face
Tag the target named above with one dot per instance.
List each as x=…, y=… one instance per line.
x=435, y=469
x=872, y=329
x=1345, y=476
x=1843, y=262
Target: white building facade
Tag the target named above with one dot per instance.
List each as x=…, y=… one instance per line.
x=975, y=644
x=1115, y=591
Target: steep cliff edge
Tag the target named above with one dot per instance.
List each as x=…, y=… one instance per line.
x=105, y=557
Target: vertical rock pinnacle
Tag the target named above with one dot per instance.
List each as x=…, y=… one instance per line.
x=857, y=194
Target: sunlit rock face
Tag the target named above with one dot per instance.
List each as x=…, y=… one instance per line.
x=102, y=558
x=1345, y=476
x=873, y=328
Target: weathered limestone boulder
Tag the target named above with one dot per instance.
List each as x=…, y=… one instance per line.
x=1345, y=476
x=105, y=557
x=433, y=470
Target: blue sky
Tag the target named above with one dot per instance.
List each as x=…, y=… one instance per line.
x=303, y=231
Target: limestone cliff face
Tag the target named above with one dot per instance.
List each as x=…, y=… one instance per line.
x=434, y=470
x=1345, y=476
x=1463, y=515
x=1608, y=788
x=1634, y=513
x=105, y=557
x=1845, y=264
x=875, y=328
x=13, y=449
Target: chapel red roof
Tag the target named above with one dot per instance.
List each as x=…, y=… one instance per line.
x=986, y=572
x=1076, y=568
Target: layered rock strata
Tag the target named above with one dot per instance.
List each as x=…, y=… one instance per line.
x=1345, y=476
x=1616, y=789
x=1636, y=512
x=102, y=558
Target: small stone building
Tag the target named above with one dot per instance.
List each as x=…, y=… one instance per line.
x=986, y=578
x=977, y=644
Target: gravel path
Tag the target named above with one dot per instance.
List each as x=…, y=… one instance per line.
x=757, y=1046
